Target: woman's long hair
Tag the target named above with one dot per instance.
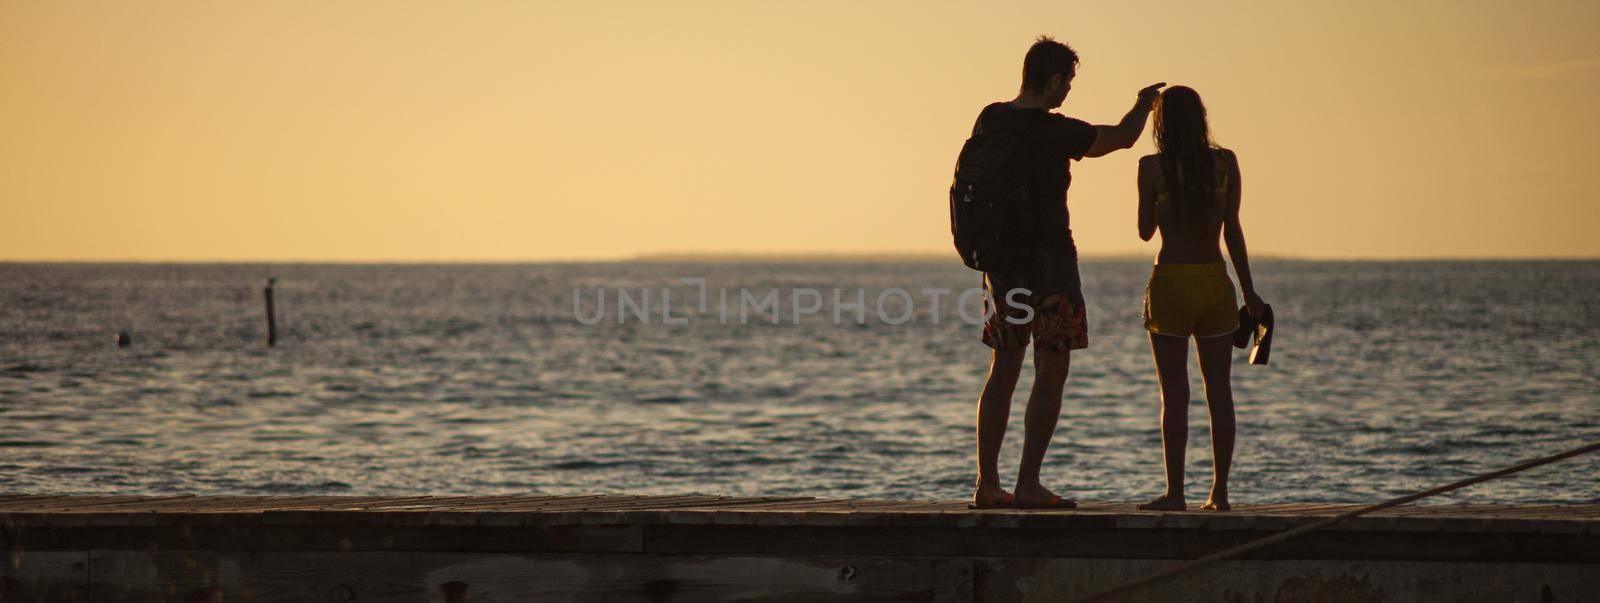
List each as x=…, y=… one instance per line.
x=1183, y=145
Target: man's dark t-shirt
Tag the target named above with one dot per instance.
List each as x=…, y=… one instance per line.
x=1051, y=140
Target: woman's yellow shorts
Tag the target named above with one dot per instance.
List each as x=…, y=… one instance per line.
x=1190, y=299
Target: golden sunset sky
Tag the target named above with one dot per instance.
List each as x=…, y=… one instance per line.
x=336, y=130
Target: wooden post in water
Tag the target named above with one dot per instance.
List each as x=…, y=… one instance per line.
x=272, y=319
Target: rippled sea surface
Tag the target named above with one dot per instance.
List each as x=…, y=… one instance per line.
x=1386, y=377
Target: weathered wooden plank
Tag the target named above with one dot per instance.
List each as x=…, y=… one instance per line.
x=1574, y=511
x=10, y=497
x=170, y=575
x=1287, y=580
x=388, y=503
x=537, y=507
x=136, y=504
x=379, y=503
x=912, y=541
x=1232, y=521
x=29, y=499
x=943, y=506
x=1442, y=511
x=46, y=502
x=202, y=503
x=242, y=503
x=739, y=504
x=733, y=514
x=805, y=504
x=635, y=512
x=524, y=502
x=247, y=537
x=55, y=502
x=1578, y=512
x=487, y=578
x=193, y=503
x=840, y=505
x=469, y=538
x=1504, y=511
x=28, y=575
x=507, y=502
x=1327, y=510
x=242, y=536
x=1262, y=508
x=1556, y=526
x=770, y=502
x=1094, y=506
x=331, y=503
x=1097, y=543
x=630, y=503
x=431, y=503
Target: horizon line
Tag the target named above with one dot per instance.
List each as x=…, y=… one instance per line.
x=761, y=256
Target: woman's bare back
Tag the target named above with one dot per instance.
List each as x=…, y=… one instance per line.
x=1190, y=233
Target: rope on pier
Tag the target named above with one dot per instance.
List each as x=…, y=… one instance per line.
x=1310, y=527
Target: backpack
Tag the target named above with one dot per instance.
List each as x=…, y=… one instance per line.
x=991, y=211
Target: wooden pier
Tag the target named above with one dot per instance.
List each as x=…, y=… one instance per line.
x=694, y=548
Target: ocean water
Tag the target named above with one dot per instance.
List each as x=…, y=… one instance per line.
x=1386, y=377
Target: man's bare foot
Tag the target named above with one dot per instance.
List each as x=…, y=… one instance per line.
x=990, y=497
x=1165, y=502
x=1037, y=496
x=1217, y=502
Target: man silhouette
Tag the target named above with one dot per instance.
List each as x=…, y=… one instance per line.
x=1053, y=293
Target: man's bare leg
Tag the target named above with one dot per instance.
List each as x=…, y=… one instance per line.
x=1172, y=370
x=1044, y=410
x=994, y=412
x=1216, y=367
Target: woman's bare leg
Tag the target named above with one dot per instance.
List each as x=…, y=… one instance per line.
x=1216, y=367
x=1172, y=369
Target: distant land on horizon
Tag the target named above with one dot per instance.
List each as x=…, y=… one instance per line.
x=949, y=256
x=843, y=256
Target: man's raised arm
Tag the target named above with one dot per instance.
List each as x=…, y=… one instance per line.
x=1127, y=132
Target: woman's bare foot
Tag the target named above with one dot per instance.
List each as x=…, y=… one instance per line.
x=991, y=497
x=1036, y=496
x=1217, y=502
x=1166, y=502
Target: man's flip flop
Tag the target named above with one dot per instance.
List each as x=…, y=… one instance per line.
x=1055, y=502
x=1004, y=503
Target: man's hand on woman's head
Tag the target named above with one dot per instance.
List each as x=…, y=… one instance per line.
x=1149, y=93
x=1126, y=132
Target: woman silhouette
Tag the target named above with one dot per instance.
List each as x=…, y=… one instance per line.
x=1189, y=191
